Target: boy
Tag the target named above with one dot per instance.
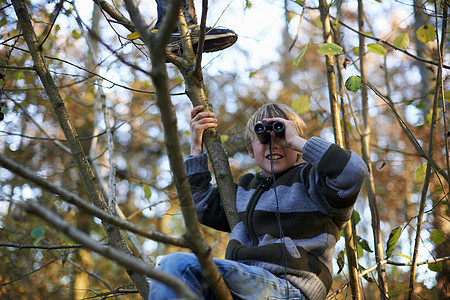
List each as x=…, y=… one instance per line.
x=287, y=229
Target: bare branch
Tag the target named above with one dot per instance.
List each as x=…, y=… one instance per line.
x=58, y=247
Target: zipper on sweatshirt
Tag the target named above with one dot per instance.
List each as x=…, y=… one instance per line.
x=263, y=186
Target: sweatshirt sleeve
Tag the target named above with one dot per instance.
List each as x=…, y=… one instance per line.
x=206, y=197
x=335, y=175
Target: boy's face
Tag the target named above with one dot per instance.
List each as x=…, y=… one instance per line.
x=283, y=158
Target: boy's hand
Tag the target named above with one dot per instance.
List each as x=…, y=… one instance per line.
x=200, y=121
x=291, y=139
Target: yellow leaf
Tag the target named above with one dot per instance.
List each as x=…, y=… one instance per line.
x=134, y=35
x=405, y=256
x=420, y=172
x=224, y=137
x=301, y=104
x=447, y=96
x=426, y=33
x=402, y=41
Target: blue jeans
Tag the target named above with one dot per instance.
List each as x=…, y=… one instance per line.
x=244, y=281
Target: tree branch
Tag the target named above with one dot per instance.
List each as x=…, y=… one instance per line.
x=86, y=206
x=124, y=259
x=156, y=45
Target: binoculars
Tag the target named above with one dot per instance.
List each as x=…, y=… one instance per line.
x=263, y=130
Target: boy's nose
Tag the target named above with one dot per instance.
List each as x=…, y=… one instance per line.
x=275, y=145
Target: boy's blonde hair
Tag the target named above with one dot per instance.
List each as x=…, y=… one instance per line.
x=273, y=110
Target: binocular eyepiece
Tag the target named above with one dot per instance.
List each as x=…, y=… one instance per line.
x=263, y=129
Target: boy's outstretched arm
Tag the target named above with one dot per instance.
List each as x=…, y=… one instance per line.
x=200, y=121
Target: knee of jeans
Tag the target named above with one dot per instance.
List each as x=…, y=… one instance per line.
x=177, y=260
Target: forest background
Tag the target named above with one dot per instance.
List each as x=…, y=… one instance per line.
x=86, y=116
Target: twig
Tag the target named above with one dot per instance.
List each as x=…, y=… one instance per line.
x=54, y=15
x=59, y=247
x=299, y=28
x=54, y=141
x=201, y=38
x=29, y=273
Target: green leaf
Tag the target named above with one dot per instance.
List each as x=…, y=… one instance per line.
x=147, y=192
x=3, y=22
x=355, y=51
x=248, y=4
x=364, y=244
x=301, y=105
x=18, y=76
x=224, y=137
x=377, y=49
x=420, y=173
x=435, y=267
x=402, y=41
x=359, y=251
x=356, y=217
x=75, y=34
x=437, y=236
x=302, y=53
x=329, y=49
x=426, y=33
x=134, y=35
x=392, y=241
x=341, y=261
x=38, y=233
x=353, y=83
x=318, y=22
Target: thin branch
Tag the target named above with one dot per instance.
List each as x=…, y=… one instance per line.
x=95, y=74
x=53, y=16
x=17, y=67
x=92, y=274
x=201, y=38
x=29, y=273
x=54, y=141
x=408, y=132
x=299, y=27
x=58, y=247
